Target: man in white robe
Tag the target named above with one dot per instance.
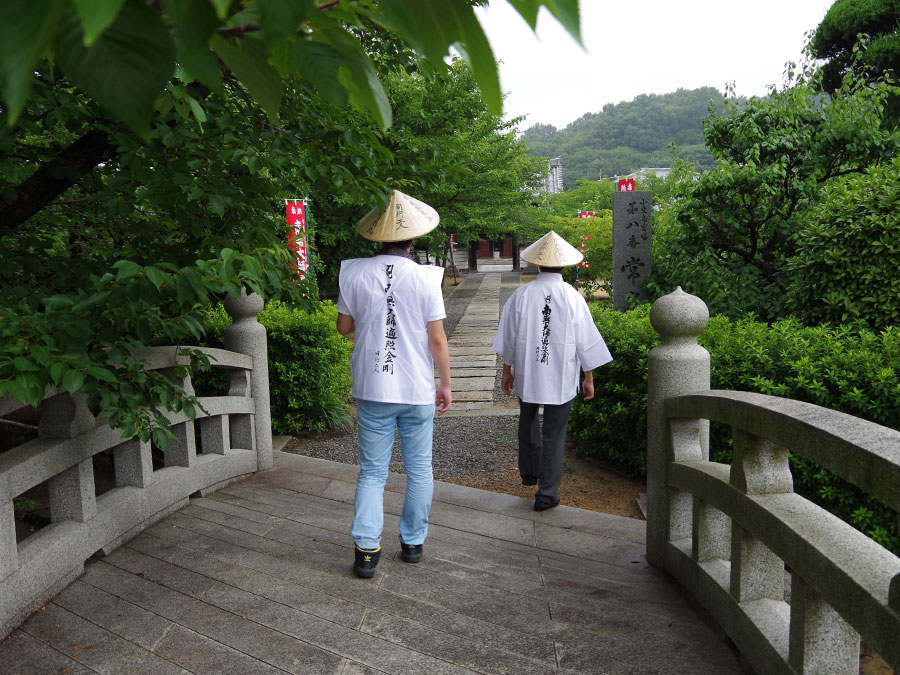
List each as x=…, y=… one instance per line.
x=546, y=337
x=395, y=308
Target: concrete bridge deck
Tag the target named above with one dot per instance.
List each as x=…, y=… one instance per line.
x=257, y=579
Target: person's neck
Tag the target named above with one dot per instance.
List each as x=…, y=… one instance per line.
x=387, y=249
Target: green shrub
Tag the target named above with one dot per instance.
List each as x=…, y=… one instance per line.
x=854, y=371
x=309, y=366
x=849, y=263
x=614, y=425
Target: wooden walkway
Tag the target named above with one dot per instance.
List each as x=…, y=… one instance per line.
x=257, y=579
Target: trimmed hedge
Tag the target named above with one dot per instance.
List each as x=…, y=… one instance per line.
x=855, y=371
x=309, y=366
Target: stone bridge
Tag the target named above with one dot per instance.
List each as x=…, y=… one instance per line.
x=229, y=556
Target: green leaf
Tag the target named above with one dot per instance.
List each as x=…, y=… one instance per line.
x=195, y=22
x=197, y=109
x=316, y=62
x=247, y=59
x=528, y=10
x=73, y=380
x=567, y=13
x=222, y=7
x=280, y=18
x=204, y=67
x=101, y=374
x=57, y=371
x=96, y=15
x=126, y=68
x=217, y=203
x=161, y=438
x=156, y=276
x=433, y=27
x=127, y=269
x=28, y=388
x=26, y=31
x=358, y=76
x=21, y=363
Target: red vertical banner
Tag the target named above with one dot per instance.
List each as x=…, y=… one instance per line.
x=296, y=220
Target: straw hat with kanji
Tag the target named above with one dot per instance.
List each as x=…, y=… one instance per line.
x=551, y=250
x=403, y=218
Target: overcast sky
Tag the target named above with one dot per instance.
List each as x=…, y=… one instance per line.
x=643, y=47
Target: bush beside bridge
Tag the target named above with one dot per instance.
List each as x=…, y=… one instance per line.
x=856, y=371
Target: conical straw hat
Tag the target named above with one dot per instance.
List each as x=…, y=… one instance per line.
x=551, y=250
x=403, y=218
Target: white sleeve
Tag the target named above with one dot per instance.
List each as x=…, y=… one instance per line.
x=590, y=347
x=505, y=340
x=434, y=308
x=342, y=306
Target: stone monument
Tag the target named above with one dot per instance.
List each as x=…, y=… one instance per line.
x=632, y=229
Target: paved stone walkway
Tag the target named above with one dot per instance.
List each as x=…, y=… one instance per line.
x=473, y=366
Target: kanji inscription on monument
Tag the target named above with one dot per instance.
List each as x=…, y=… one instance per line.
x=632, y=229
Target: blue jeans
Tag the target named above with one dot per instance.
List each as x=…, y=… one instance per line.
x=376, y=423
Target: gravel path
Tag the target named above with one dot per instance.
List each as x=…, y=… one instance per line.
x=463, y=446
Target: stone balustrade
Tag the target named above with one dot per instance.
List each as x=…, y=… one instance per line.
x=234, y=434
x=793, y=586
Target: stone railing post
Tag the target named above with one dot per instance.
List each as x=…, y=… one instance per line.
x=72, y=495
x=247, y=336
x=677, y=366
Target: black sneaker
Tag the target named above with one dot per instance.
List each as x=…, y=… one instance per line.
x=529, y=480
x=411, y=553
x=364, y=562
x=543, y=503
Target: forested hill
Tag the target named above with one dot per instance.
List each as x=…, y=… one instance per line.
x=626, y=136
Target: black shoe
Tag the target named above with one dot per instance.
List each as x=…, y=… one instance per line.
x=542, y=504
x=364, y=562
x=411, y=553
x=529, y=480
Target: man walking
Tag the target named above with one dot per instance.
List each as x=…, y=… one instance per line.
x=396, y=309
x=546, y=335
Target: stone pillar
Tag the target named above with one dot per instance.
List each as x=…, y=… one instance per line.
x=247, y=336
x=821, y=641
x=215, y=435
x=9, y=552
x=72, y=493
x=133, y=463
x=759, y=467
x=677, y=366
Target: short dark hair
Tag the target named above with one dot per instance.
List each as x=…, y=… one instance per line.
x=550, y=269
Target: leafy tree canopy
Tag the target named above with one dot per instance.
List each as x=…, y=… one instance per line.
x=736, y=225
x=122, y=214
x=836, y=39
x=122, y=53
x=626, y=136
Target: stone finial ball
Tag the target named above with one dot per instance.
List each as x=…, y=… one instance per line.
x=679, y=314
x=245, y=306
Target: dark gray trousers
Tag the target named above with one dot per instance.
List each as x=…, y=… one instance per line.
x=542, y=448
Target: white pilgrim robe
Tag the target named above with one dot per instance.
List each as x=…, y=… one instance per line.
x=547, y=335
x=392, y=300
